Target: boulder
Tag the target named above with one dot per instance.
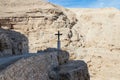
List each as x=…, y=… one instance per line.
x=12, y=43
x=74, y=70
x=45, y=66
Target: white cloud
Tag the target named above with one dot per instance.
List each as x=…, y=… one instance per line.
x=106, y=3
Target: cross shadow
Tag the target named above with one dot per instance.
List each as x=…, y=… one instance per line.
x=66, y=66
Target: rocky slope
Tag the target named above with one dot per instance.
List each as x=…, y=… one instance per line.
x=100, y=29
x=50, y=65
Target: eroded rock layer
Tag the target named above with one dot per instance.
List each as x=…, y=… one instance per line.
x=38, y=23
x=100, y=29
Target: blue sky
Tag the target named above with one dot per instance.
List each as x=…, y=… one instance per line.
x=87, y=3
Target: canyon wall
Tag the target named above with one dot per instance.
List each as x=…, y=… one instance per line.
x=100, y=29
x=88, y=34
x=38, y=21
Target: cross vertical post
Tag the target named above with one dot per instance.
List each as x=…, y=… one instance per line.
x=58, y=42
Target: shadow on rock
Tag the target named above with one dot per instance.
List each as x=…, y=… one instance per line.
x=12, y=43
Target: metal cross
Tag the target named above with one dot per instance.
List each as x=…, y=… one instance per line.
x=58, y=34
x=58, y=42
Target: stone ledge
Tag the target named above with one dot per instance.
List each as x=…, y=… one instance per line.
x=45, y=66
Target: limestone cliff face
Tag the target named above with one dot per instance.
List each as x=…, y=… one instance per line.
x=38, y=21
x=99, y=27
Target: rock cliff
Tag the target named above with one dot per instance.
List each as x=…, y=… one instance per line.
x=100, y=29
x=38, y=21
x=88, y=34
x=12, y=43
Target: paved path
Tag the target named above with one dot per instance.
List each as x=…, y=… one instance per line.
x=6, y=61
